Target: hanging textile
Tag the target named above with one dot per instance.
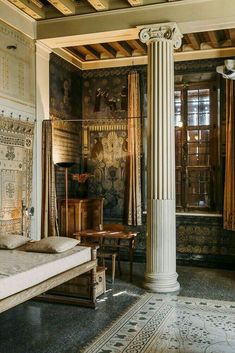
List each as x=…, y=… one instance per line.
x=134, y=151
x=49, y=226
x=229, y=187
x=16, y=174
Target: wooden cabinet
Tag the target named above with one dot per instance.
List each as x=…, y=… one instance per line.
x=82, y=214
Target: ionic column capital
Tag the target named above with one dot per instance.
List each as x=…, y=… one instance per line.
x=162, y=31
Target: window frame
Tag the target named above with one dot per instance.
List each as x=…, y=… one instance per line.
x=184, y=168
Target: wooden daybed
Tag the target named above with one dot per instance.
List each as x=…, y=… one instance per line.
x=25, y=275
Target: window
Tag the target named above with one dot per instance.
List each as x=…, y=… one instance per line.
x=196, y=146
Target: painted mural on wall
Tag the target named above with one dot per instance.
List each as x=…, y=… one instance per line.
x=105, y=97
x=107, y=164
x=65, y=90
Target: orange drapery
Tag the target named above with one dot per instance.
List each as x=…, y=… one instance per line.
x=134, y=151
x=229, y=186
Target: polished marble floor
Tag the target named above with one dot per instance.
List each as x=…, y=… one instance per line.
x=35, y=327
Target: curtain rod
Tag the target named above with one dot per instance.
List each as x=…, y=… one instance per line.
x=96, y=119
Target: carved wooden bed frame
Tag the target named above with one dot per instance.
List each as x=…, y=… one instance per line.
x=37, y=290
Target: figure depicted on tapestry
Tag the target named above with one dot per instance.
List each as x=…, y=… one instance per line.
x=105, y=98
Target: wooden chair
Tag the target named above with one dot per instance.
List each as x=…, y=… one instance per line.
x=109, y=253
x=105, y=255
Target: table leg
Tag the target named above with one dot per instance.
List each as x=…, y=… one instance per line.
x=131, y=255
x=113, y=266
x=119, y=260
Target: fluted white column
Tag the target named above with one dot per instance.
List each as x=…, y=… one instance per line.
x=161, y=273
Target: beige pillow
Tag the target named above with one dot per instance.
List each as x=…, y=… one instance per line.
x=12, y=241
x=52, y=245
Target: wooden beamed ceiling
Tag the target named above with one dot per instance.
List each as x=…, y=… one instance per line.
x=47, y=9
x=134, y=48
x=70, y=34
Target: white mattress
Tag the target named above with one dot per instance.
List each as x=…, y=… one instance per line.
x=20, y=270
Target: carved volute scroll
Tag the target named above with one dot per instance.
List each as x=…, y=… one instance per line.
x=165, y=31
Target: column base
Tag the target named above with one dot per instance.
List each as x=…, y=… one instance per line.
x=161, y=282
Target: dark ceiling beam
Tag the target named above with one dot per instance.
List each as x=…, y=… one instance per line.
x=109, y=50
x=122, y=47
x=213, y=39
x=138, y=45
x=232, y=35
x=94, y=53
x=193, y=40
x=74, y=51
x=125, y=48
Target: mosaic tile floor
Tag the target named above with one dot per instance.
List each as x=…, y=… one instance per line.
x=162, y=324
x=35, y=327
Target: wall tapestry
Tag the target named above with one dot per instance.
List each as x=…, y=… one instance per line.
x=105, y=97
x=106, y=161
x=65, y=89
x=16, y=157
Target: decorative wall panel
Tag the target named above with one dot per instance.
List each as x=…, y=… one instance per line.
x=200, y=240
x=204, y=237
x=16, y=157
x=17, y=68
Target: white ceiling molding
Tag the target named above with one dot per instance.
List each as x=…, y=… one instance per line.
x=14, y=17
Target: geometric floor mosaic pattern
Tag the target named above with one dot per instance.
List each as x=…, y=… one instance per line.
x=169, y=324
